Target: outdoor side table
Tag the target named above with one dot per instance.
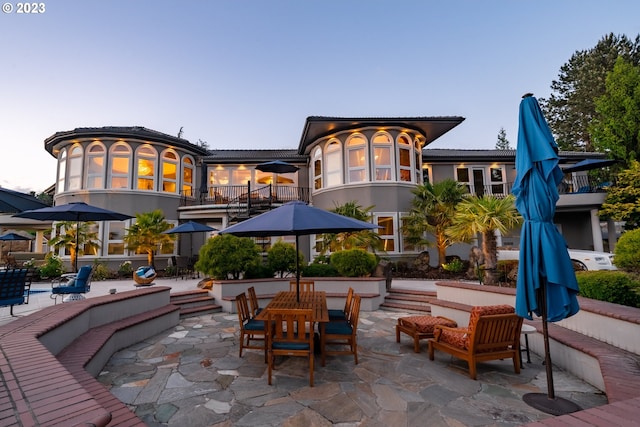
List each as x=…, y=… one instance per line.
x=420, y=327
x=526, y=330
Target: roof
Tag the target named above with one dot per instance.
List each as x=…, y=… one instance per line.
x=258, y=156
x=431, y=128
x=444, y=154
x=138, y=132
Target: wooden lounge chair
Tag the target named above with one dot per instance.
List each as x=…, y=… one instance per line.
x=290, y=333
x=252, y=332
x=493, y=333
x=342, y=333
x=421, y=327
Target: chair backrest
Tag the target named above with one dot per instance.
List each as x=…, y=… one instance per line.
x=496, y=332
x=354, y=312
x=243, y=309
x=291, y=326
x=305, y=285
x=348, y=301
x=253, y=300
x=484, y=310
x=83, y=278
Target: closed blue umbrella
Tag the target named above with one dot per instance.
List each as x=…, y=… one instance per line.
x=546, y=284
x=296, y=219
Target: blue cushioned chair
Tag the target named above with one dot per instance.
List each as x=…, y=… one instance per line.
x=290, y=333
x=338, y=315
x=342, y=333
x=251, y=330
x=73, y=285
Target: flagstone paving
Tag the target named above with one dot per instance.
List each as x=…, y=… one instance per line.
x=192, y=376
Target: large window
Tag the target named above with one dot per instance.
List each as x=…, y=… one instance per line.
x=115, y=240
x=333, y=163
x=317, y=168
x=357, y=158
x=146, y=168
x=120, y=168
x=387, y=232
x=74, y=179
x=169, y=172
x=188, y=174
x=498, y=185
x=404, y=158
x=95, y=166
x=382, y=154
x=62, y=170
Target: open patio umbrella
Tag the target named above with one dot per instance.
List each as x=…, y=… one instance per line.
x=277, y=166
x=10, y=237
x=14, y=201
x=74, y=211
x=589, y=164
x=546, y=282
x=190, y=227
x=296, y=219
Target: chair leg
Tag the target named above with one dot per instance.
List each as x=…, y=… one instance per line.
x=397, y=333
x=354, y=349
x=516, y=363
x=472, y=369
x=269, y=366
x=431, y=351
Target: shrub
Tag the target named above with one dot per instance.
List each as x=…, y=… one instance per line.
x=617, y=287
x=227, y=256
x=52, y=267
x=353, y=262
x=100, y=271
x=627, y=252
x=455, y=266
x=319, y=270
x=125, y=269
x=281, y=258
x=258, y=271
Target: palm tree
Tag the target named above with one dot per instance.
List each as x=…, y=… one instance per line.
x=364, y=239
x=76, y=237
x=145, y=236
x=432, y=212
x=485, y=215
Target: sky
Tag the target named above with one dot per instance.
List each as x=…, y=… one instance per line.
x=246, y=74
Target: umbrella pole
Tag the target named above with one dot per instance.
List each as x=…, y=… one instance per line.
x=548, y=403
x=297, y=272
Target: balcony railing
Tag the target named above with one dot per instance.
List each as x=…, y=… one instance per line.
x=570, y=185
x=223, y=195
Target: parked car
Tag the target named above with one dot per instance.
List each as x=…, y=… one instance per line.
x=582, y=259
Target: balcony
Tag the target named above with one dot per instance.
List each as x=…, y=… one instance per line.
x=579, y=184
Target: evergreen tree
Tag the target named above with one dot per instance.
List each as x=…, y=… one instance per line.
x=623, y=198
x=503, y=142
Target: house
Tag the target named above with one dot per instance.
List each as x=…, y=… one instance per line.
x=373, y=161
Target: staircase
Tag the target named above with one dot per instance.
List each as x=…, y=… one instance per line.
x=407, y=300
x=195, y=303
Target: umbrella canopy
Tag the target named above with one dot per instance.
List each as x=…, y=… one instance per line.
x=296, y=219
x=75, y=211
x=546, y=282
x=189, y=227
x=589, y=164
x=277, y=166
x=14, y=201
x=10, y=237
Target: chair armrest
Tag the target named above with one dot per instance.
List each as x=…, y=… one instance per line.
x=438, y=329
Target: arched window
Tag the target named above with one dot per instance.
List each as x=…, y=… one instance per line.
x=145, y=168
x=333, y=163
x=382, y=155
x=317, y=168
x=188, y=174
x=357, y=158
x=74, y=171
x=62, y=170
x=417, y=152
x=404, y=158
x=119, y=166
x=169, y=172
x=95, y=166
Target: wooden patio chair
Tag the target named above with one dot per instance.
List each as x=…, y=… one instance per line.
x=252, y=332
x=290, y=333
x=493, y=333
x=342, y=334
x=253, y=302
x=305, y=286
x=341, y=315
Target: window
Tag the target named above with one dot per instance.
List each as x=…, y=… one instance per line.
x=317, y=168
x=169, y=172
x=74, y=181
x=418, y=162
x=405, y=149
x=426, y=174
x=188, y=174
x=240, y=176
x=120, y=168
x=406, y=246
x=462, y=176
x=357, y=158
x=62, y=170
x=219, y=176
x=498, y=186
x=95, y=166
x=333, y=163
x=387, y=232
x=146, y=168
x=115, y=241
x=383, y=170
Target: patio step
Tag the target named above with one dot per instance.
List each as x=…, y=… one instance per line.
x=408, y=300
x=195, y=303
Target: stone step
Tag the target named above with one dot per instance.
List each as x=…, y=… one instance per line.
x=414, y=301
x=195, y=302
x=411, y=308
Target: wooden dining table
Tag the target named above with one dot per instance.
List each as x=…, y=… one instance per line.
x=288, y=300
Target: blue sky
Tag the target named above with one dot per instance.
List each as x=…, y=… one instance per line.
x=246, y=74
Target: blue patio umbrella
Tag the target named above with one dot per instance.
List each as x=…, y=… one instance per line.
x=296, y=219
x=546, y=284
x=190, y=227
x=10, y=237
x=589, y=164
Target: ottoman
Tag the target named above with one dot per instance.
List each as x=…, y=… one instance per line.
x=420, y=327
